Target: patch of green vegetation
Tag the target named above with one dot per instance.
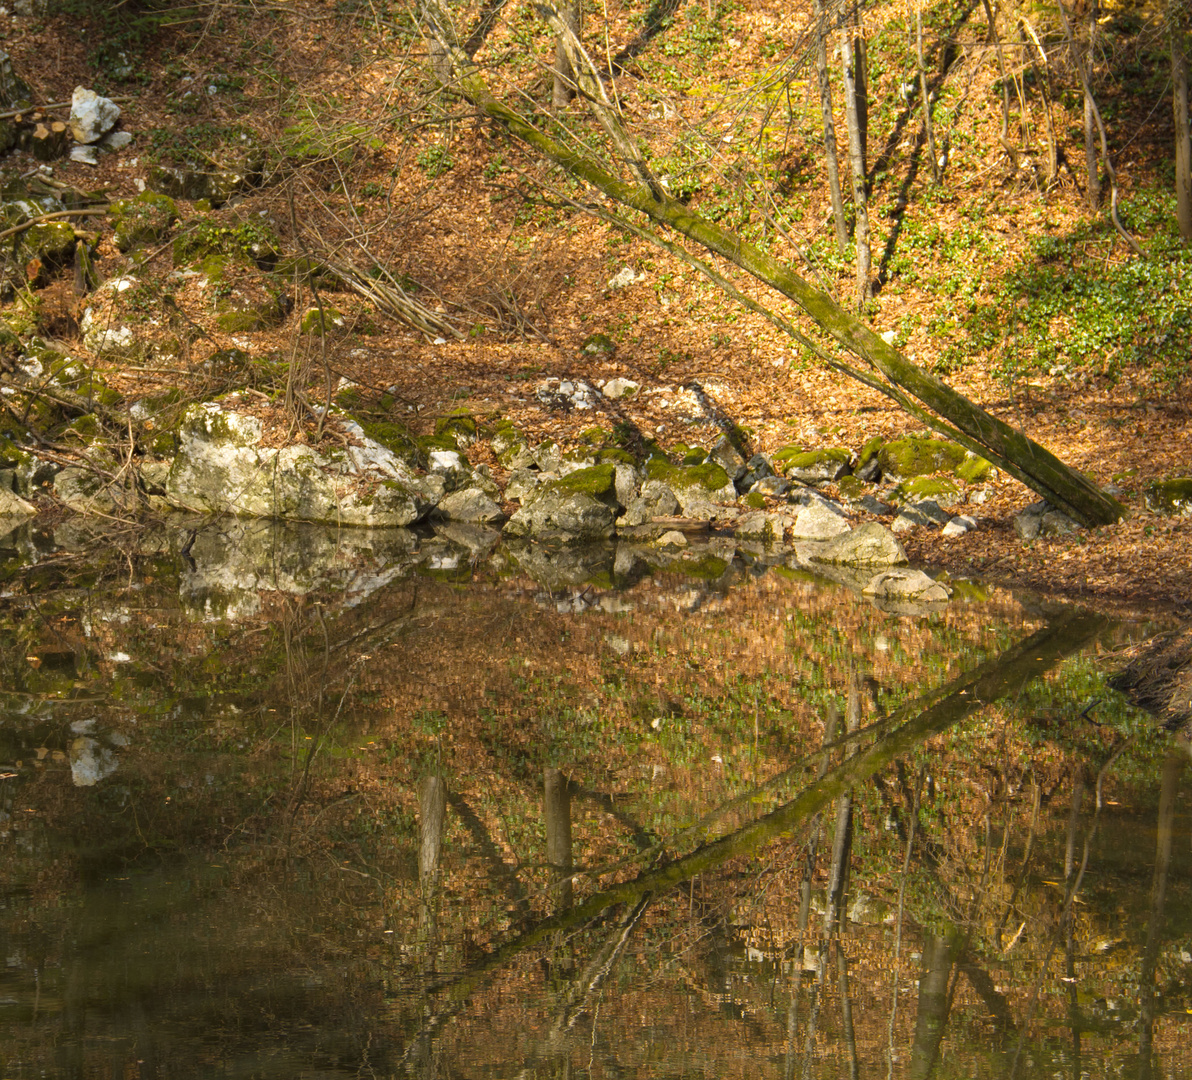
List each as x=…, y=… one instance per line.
x=310, y=140
x=974, y=469
x=435, y=160
x=756, y=500
x=871, y=447
x=460, y=425
x=709, y=475
x=146, y=218
x=1068, y=303
x=205, y=237
x=598, y=345
x=321, y=320
x=795, y=457
x=927, y=487
x=242, y=322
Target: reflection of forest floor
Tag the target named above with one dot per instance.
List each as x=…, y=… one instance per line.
x=532, y=283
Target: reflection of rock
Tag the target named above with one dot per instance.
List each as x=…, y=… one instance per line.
x=570, y=566
x=235, y=561
x=906, y=592
x=90, y=761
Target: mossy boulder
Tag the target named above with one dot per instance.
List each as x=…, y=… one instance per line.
x=700, y=489
x=249, y=241
x=144, y=219
x=1171, y=497
x=814, y=466
x=461, y=426
x=579, y=507
x=322, y=320
x=914, y=456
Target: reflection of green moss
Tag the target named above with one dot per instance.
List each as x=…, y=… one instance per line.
x=969, y=591
x=708, y=568
x=1170, y=496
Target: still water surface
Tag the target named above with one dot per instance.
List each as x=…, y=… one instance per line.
x=303, y=804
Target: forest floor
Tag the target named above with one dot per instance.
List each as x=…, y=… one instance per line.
x=485, y=231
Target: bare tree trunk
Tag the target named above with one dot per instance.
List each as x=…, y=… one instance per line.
x=1090, y=123
x=565, y=80
x=830, y=160
x=1183, y=136
x=856, y=158
x=1043, y=78
x=928, y=127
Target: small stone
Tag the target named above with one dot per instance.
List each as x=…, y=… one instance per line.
x=959, y=525
x=12, y=505
x=615, y=389
x=674, y=538
x=91, y=116
x=923, y=512
x=471, y=505
x=873, y=506
x=84, y=155
x=728, y=458
x=117, y=140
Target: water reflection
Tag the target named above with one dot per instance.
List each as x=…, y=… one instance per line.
x=302, y=803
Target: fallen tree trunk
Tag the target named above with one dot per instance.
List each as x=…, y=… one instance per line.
x=962, y=419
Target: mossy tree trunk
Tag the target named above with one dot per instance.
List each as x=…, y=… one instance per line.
x=965, y=421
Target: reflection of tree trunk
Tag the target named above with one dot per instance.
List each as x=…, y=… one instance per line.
x=432, y=814
x=1173, y=767
x=831, y=724
x=829, y=124
x=932, y=1018
x=834, y=908
x=557, y=803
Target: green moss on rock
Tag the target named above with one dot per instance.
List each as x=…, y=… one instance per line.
x=599, y=481
x=709, y=475
x=916, y=456
x=146, y=218
x=871, y=447
x=242, y=322
x=943, y=491
x=974, y=469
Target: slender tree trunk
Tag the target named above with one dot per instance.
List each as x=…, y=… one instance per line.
x=928, y=127
x=1183, y=136
x=432, y=813
x=1043, y=78
x=565, y=81
x=1090, y=122
x=830, y=159
x=856, y=158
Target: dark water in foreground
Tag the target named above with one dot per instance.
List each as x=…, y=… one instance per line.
x=306, y=804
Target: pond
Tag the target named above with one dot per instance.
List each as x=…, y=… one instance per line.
x=292, y=802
